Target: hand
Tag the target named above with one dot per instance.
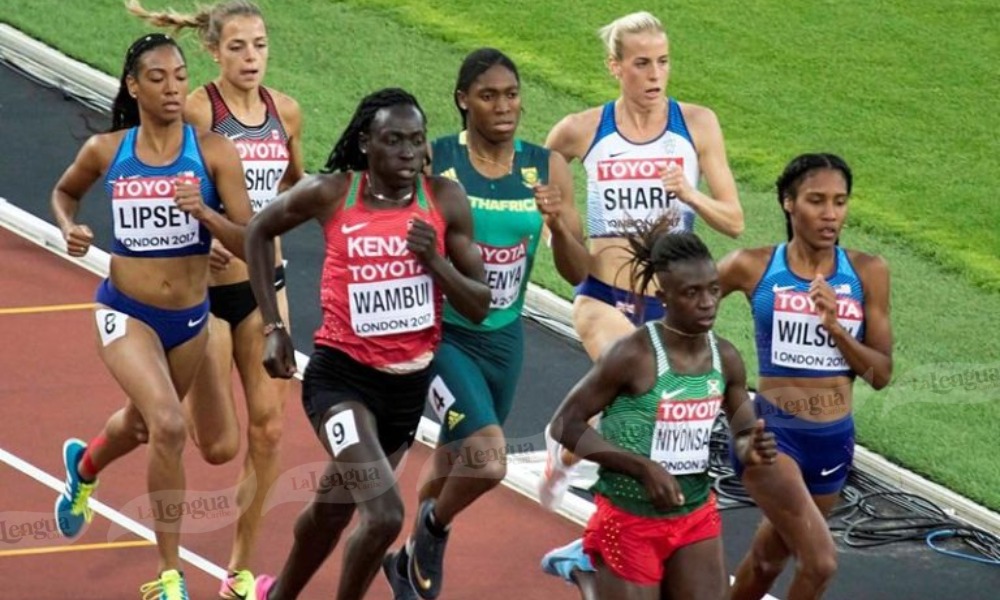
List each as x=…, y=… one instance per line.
x=421, y=240
x=549, y=201
x=662, y=487
x=825, y=300
x=187, y=196
x=78, y=239
x=674, y=182
x=759, y=447
x=279, y=355
x=219, y=257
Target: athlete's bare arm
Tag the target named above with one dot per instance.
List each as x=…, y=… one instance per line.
x=721, y=211
x=753, y=445
x=222, y=162
x=90, y=163
x=572, y=136
x=626, y=367
x=740, y=270
x=870, y=359
x=198, y=109
x=315, y=197
x=562, y=224
x=291, y=119
x=462, y=277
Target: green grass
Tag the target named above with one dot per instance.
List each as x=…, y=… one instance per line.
x=901, y=91
x=921, y=157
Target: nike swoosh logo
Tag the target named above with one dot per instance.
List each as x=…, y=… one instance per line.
x=193, y=323
x=673, y=394
x=617, y=154
x=235, y=137
x=423, y=583
x=279, y=283
x=346, y=229
x=783, y=288
x=826, y=472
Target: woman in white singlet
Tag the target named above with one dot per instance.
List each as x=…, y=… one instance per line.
x=645, y=154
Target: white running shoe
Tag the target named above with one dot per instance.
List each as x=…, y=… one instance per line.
x=557, y=475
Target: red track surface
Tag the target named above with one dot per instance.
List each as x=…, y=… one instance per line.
x=53, y=386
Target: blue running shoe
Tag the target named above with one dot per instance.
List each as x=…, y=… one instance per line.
x=400, y=583
x=72, y=506
x=561, y=562
x=426, y=550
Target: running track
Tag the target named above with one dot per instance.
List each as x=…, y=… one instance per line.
x=53, y=386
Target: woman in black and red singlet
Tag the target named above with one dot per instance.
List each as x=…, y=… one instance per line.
x=396, y=242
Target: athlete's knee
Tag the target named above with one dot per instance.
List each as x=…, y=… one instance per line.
x=493, y=472
x=323, y=516
x=265, y=433
x=819, y=565
x=767, y=565
x=220, y=450
x=384, y=522
x=167, y=430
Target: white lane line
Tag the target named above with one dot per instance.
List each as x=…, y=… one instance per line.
x=109, y=513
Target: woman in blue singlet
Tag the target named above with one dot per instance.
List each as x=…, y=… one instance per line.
x=168, y=184
x=266, y=127
x=821, y=314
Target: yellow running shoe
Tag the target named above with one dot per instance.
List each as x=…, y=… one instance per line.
x=238, y=585
x=168, y=586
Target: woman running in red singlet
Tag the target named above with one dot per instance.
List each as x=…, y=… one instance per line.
x=396, y=243
x=265, y=125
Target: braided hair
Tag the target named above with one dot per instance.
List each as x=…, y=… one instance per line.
x=346, y=154
x=475, y=64
x=208, y=21
x=798, y=169
x=654, y=249
x=125, y=110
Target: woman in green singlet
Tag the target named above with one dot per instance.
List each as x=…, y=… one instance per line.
x=520, y=194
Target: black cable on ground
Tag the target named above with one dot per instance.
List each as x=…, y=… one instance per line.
x=872, y=513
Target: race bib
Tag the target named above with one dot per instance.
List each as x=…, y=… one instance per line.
x=798, y=338
x=505, y=269
x=146, y=216
x=632, y=191
x=264, y=164
x=111, y=325
x=682, y=432
x=392, y=306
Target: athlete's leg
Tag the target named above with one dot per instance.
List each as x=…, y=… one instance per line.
x=354, y=445
x=479, y=466
x=265, y=398
x=155, y=383
x=696, y=572
x=609, y=586
x=209, y=409
x=795, y=525
x=316, y=533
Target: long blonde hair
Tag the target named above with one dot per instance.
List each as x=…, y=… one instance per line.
x=207, y=21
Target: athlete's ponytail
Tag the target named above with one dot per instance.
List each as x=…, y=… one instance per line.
x=125, y=109
x=796, y=171
x=653, y=248
x=208, y=21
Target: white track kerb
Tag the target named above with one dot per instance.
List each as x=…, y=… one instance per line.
x=522, y=475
